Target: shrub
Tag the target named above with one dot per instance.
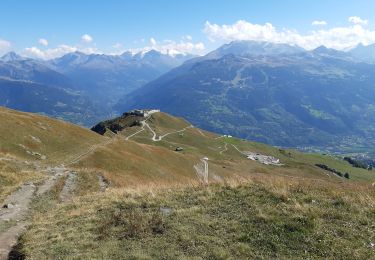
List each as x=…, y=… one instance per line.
x=325, y=167
x=131, y=222
x=356, y=163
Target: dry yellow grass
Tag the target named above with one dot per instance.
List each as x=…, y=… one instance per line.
x=14, y=173
x=22, y=134
x=141, y=161
x=297, y=201
x=267, y=217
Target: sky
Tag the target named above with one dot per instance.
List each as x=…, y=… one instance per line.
x=47, y=29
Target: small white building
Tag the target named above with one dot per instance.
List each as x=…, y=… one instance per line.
x=265, y=159
x=143, y=112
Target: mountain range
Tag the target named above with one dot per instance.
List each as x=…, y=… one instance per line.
x=78, y=87
x=107, y=77
x=275, y=93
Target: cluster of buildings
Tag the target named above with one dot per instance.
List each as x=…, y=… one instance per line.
x=265, y=159
x=142, y=112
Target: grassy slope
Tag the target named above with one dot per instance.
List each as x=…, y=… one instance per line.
x=21, y=132
x=13, y=174
x=126, y=163
x=55, y=139
x=268, y=217
x=305, y=162
x=305, y=211
x=198, y=144
x=142, y=161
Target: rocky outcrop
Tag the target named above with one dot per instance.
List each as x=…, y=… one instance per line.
x=118, y=124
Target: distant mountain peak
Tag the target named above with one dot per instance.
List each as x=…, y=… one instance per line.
x=254, y=48
x=127, y=55
x=80, y=53
x=76, y=54
x=360, y=45
x=364, y=53
x=152, y=53
x=324, y=50
x=72, y=58
x=11, y=56
x=321, y=48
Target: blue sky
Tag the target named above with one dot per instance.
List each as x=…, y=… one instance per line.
x=113, y=26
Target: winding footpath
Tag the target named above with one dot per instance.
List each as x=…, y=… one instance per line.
x=130, y=136
x=67, y=191
x=154, y=137
x=143, y=123
x=90, y=150
x=16, y=206
x=225, y=148
x=235, y=147
x=200, y=131
x=175, y=132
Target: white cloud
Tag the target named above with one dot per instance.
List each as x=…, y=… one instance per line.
x=117, y=45
x=166, y=47
x=35, y=52
x=153, y=41
x=43, y=42
x=86, y=38
x=357, y=20
x=60, y=50
x=338, y=37
x=187, y=37
x=4, y=46
x=172, y=47
x=90, y=50
x=319, y=23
